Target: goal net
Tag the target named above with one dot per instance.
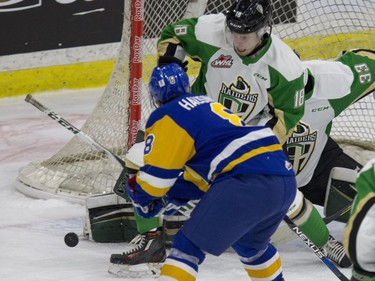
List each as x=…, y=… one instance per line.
x=315, y=29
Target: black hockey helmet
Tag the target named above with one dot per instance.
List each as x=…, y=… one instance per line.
x=246, y=16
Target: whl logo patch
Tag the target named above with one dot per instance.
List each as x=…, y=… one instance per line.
x=223, y=61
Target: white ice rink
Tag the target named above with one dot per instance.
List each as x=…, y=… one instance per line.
x=32, y=230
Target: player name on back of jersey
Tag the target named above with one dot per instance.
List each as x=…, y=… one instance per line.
x=189, y=103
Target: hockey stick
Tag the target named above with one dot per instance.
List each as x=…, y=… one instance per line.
x=30, y=99
x=315, y=249
x=339, y=213
x=284, y=234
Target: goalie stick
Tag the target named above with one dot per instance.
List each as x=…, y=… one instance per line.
x=339, y=213
x=67, y=125
x=315, y=249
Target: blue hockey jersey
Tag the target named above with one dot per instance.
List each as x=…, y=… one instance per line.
x=195, y=135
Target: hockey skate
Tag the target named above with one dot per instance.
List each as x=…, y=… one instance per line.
x=142, y=261
x=334, y=250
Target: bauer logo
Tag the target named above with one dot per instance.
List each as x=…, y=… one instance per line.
x=17, y=5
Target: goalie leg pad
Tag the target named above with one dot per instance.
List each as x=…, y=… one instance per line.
x=173, y=225
x=340, y=191
x=109, y=219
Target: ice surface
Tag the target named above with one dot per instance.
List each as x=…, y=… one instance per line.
x=32, y=230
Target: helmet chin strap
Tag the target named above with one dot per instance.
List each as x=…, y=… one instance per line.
x=264, y=35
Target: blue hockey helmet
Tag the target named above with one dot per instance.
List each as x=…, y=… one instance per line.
x=247, y=16
x=168, y=82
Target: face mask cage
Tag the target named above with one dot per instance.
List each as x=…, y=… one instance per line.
x=153, y=102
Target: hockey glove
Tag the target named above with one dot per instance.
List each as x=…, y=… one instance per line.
x=172, y=205
x=154, y=209
x=145, y=205
x=163, y=60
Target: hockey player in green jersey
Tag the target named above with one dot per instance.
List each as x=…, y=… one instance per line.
x=359, y=238
x=187, y=36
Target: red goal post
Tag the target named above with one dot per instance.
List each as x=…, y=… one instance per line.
x=315, y=29
x=135, y=66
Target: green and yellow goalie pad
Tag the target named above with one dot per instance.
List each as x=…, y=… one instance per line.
x=340, y=192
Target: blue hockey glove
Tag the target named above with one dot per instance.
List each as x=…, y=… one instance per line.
x=154, y=209
x=145, y=205
x=172, y=205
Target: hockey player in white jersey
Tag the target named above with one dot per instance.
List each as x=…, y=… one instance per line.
x=239, y=92
x=243, y=65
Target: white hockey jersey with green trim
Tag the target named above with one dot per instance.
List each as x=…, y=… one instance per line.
x=337, y=85
x=271, y=81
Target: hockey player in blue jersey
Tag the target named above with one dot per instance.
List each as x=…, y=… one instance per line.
x=249, y=187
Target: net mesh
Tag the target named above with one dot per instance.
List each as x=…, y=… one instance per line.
x=315, y=29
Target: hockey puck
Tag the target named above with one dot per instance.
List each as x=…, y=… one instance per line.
x=71, y=239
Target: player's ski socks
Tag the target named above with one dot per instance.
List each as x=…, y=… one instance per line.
x=315, y=228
